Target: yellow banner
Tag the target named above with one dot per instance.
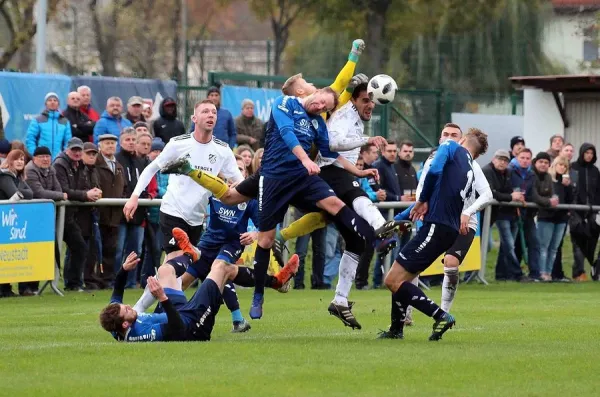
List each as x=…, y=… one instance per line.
x=472, y=260
x=26, y=262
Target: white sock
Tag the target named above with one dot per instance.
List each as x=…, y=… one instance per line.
x=348, y=265
x=449, y=287
x=367, y=210
x=147, y=300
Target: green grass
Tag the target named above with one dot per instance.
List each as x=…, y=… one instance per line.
x=510, y=340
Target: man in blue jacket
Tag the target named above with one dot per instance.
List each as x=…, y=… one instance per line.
x=111, y=121
x=225, y=128
x=50, y=128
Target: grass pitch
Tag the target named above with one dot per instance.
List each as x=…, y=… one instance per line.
x=510, y=340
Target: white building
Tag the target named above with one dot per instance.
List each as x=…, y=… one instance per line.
x=571, y=35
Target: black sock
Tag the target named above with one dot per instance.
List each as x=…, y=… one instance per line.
x=411, y=295
x=180, y=263
x=270, y=281
x=245, y=277
x=230, y=297
x=398, y=314
x=262, y=257
x=350, y=219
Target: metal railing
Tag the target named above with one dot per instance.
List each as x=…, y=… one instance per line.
x=390, y=206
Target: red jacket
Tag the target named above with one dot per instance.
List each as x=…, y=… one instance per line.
x=90, y=112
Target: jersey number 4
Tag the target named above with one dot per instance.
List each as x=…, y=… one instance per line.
x=466, y=192
x=172, y=240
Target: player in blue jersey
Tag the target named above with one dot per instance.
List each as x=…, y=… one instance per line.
x=446, y=187
x=181, y=320
x=289, y=176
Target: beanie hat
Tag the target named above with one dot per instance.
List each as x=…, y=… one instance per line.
x=542, y=156
x=213, y=89
x=41, y=150
x=51, y=95
x=515, y=140
x=157, y=144
x=4, y=146
x=140, y=124
x=247, y=102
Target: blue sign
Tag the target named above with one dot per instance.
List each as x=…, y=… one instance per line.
x=22, y=99
x=26, y=241
x=232, y=97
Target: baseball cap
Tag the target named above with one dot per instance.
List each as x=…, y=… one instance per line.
x=502, y=153
x=135, y=100
x=75, y=143
x=90, y=147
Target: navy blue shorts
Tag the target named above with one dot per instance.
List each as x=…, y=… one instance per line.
x=199, y=313
x=275, y=195
x=229, y=253
x=431, y=241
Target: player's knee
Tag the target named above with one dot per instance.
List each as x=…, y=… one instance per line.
x=333, y=205
x=165, y=270
x=266, y=240
x=451, y=261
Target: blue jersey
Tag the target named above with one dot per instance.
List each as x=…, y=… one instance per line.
x=146, y=328
x=447, y=184
x=227, y=222
x=288, y=127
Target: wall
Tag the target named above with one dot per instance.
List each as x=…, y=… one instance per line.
x=563, y=39
x=583, y=113
x=541, y=119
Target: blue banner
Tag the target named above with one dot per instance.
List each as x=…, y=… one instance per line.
x=26, y=241
x=232, y=97
x=22, y=99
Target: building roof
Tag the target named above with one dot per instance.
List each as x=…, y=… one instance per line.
x=575, y=4
x=564, y=83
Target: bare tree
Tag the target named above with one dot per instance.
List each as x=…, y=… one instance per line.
x=18, y=18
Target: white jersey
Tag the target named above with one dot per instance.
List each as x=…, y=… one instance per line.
x=185, y=198
x=345, y=128
x=472, y=204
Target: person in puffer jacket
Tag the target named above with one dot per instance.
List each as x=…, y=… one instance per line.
x=50, y=128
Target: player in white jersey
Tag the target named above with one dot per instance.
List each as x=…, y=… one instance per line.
x=346, y=136
x=185, y=203
x=468, y=220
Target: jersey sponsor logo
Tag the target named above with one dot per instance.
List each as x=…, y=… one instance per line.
x=212, y=158
x=172, y=241
x=226, y=212
x=298, y=112
x=242, y=206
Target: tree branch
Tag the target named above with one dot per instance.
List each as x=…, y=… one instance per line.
x=9, y=22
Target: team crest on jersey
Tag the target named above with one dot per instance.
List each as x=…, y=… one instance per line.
x=212, y=158
x=242, y=206
x=315, y=124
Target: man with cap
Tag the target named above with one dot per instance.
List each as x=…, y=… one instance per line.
x=134, y=110
x=81, y=125
x=167, y=126
x=73, y=178
x=249, y=127
x=498, y=176
x=41, y=178
x=50, y=128
x=111, y=177
x=224, y=130
x=111, y=121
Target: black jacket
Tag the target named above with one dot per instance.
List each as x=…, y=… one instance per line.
x=74, y=180
x=407, y=175
x=566, y=195
x=167, y=126
x=132, y=168
x=81, y=125
x=10, y=184
x=388, y=179
x=542, y=193
x=501, y=188
x=587, y=178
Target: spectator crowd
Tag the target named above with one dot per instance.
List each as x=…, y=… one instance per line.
x=81, y=154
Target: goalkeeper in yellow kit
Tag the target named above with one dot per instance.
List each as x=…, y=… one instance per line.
x=248, y=189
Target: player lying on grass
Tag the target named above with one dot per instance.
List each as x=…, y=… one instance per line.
x=179, y=320
x=224, y=240
x=447, y=185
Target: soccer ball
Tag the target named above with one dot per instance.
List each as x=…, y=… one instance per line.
x=382, y=89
